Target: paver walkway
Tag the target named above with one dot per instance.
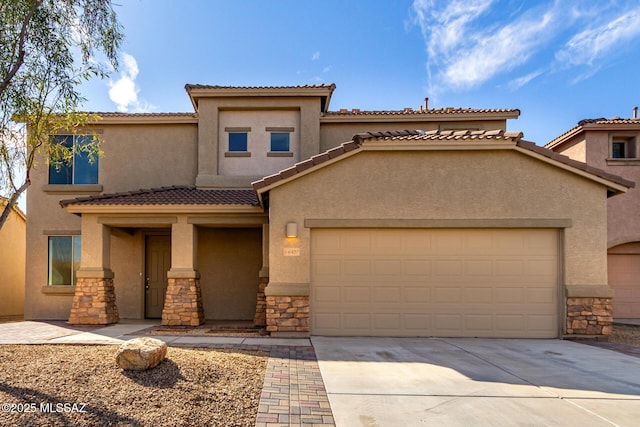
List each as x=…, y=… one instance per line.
x=293, y=393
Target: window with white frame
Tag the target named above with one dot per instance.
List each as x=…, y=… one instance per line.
x=64, y=260
x=81, y=168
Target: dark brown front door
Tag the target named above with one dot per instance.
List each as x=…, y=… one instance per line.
x=157, y=263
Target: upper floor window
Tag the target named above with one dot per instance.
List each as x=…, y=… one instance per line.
x=618, y=150
x=623, y=147
x=280, y=141
x=64, y=260
x=238, y=141
x=81, y=168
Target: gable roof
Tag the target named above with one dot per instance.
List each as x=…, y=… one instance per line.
x=486, y=139
x=174, y=195
x=615, y=123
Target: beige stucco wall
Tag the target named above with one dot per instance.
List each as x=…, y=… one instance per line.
x=334, y=133
x=258, y=141
x=593, y=147
x=12, y=265
x=229, y=260
x=210, y=129
x=135, y=156
x=442, y=185
x=623, y=209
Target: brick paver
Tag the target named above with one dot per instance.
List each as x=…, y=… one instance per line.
x=293, y=393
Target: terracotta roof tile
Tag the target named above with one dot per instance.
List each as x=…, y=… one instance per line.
x=588, y=123
x=426, y=112
x=175, y=195
x=318, y=86
x=116, y=114
x=435, y=135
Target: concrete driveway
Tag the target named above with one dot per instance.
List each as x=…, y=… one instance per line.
x=464, y=382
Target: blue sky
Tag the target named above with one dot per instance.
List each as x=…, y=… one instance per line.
x=557, y=61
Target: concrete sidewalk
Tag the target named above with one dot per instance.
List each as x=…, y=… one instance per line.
x=59, y=332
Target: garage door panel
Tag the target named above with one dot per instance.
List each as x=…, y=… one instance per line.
x=447, y=324
x=446, y=295
x=356, y=321
x=388, y=267
x=416, y=294
x=478, y=295
x=435, y=283
x=328, y=294
x=417, y=323
x=355, y=294
x=417, y=268
x=509, y=323
x=386, y=295
x=444, y=268
x=479, y=323
x=509, y=295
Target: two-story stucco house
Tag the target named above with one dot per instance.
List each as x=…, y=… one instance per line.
x=263, y=204
x=613, y=145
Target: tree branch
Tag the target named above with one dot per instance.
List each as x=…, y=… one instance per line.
x=21, y=41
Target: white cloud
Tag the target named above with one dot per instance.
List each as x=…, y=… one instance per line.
x=590, y=45
x=521, y=81
x=124, y=91
x=315, y=56
x=466, y=52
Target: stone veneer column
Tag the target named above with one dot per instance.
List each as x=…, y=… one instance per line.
x=589, y=316
x=260, y=318
x=288, y=314
x=94, y=302
x=183, y=302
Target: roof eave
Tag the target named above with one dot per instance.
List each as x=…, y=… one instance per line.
x=418, y=117
x=196, y=92
x=161, y=209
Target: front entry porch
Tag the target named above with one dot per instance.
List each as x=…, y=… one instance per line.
x=217, y=267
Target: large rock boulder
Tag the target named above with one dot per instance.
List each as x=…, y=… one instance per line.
x=140, y=354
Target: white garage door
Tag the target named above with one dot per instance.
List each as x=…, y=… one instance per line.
x=435, y=282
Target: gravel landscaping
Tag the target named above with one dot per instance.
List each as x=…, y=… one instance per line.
x=625, y=334
x=64, y=385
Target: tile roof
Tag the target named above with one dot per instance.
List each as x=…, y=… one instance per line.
x=174, y=195
x=434, y=136
x=117, y=114
x=596, y=123
x=189, y=87
x=421, y=111
x=438, y=135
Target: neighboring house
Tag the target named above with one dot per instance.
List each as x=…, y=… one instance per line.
x=613, y=145
x=13, y=237
x=255, y=207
